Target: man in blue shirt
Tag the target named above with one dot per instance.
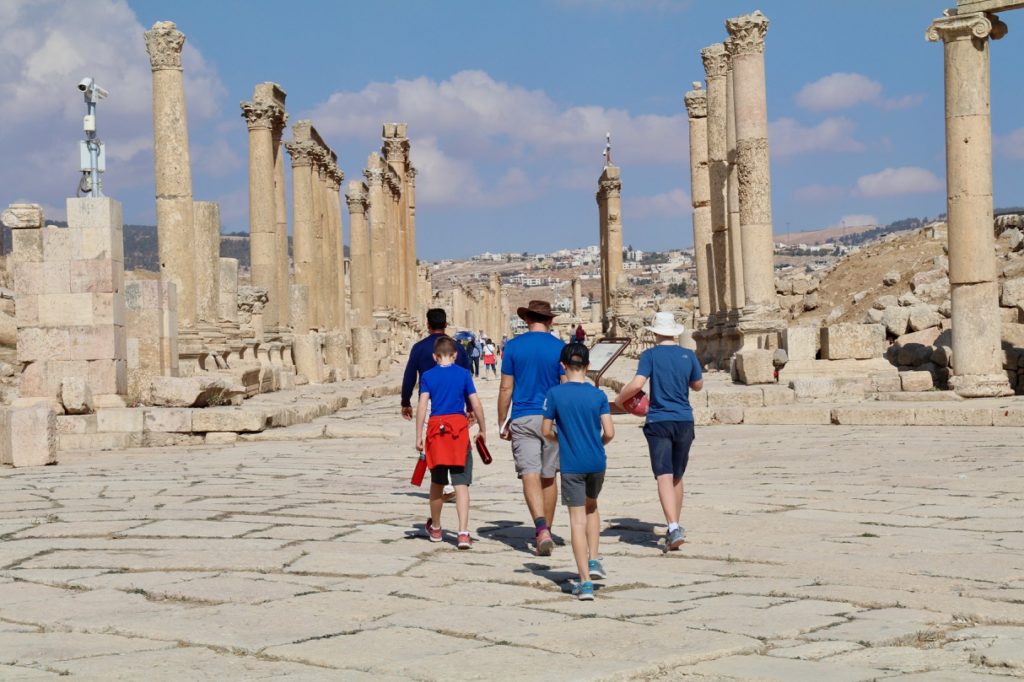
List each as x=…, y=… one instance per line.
x=580, y=411
x=421, y=357
x=673, y=371
x=529, y=367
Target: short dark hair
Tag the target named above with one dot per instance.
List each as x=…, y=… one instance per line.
x=575, y=355
x=531, y=317
x=437, y=319
x=445, y=345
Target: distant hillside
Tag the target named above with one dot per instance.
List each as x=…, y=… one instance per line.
x=141, y=252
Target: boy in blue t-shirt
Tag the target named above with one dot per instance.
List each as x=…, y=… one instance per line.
x=580, y=410
x=446, y=389
x=673, y=371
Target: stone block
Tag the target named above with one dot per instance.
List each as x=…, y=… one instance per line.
x=108, y=309
x=734, y=397
x=26, y=314
x=119, y=420
x=76, y=424
x=1012, y=292
x=61, y=244
x=923, y=316
x=701, y=416
x=95, y=276
x=97, y=342
x=728, y=415
x=221, y=438
x=953, y=415
x=801, y=343
x=108, y=376
x=778, y=395
x=788, y=415
x=916, y=381
x=168, y=420
x=825, y=388
x=28, y=436
x=895, y=319
x=873, y=415
x=196, y=391
x=27, y=246
x=43, y=343
x=65, y=310
x=755, y=366
x=76, y=395
x=1013, y=334
x=885, y=383
x=158, y=439
x=32, y=381
x=852, y=341
x=41, y=278
x=94, y=442
x=1008, y=416
x=237, y=419
x=94, y=212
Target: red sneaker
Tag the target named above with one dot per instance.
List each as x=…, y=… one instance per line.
x=465, y=542
x=544, y=542
x=433, y=533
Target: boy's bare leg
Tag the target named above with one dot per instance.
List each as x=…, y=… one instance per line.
x=436, y=503
x=462, y=506
x=679, y=497
x=550, y=493
x=578, y=538
x=593, y=528
x=671, y=496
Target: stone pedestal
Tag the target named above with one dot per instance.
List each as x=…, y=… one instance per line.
x=977, y=355
x=364, y=353
x=28, y=436
x=173, y=169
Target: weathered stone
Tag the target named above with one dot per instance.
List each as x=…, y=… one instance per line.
x=197, y=391
x=890, y=278
x=811, y=301
x=958, y=415
x=729, y=415
x=883, y=302
x=923, y=316
x=789, y=414
x=75, y=395
x=916, y=381
x=872, y=415
x=942, y=356
x=221, y=438
x=168, y=420
x=873, y=316
x=238, y=419
x=852, y=341
x=119, y=420
x=801, y=343
x=755, y=366
x=1012, y=292
x=895, y=319
x=908, y=299
x=28, y=436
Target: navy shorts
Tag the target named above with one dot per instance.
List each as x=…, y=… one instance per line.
x=669, y=443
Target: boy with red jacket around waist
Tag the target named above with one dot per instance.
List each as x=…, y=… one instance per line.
x=446, y=389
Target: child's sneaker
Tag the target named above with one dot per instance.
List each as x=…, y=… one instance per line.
x=544, y=542
x=596, y=569
x=584, y=591
x=674, y=539
x=433, y=533
x=465, y=542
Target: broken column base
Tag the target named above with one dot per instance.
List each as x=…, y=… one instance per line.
x=28, y=436
x=980, y=385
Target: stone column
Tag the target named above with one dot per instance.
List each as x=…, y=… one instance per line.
x=303, y=240
x=360, y=278
x=262, y=118
x=227, y=299
x=977, y=327
x=716, y=66
x=207, y=260
x=494, y=307
x=338, y=248
x=374, y=174
x=417, y=303
x=697, y=110
x=318, y=312
x=173, y=167
x=609, y=199
x=738, y=300
x=746, y=49
x=396, y=151
x=577, y=298
x=281, y=222
x=394, y=256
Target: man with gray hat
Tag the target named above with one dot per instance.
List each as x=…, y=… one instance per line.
x=529, y=367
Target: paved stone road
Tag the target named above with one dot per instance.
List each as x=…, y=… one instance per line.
x=814, y=553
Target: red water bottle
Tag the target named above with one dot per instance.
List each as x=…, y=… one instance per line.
x=420, y=470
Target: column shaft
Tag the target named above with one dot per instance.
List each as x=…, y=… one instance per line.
x=281, y=233
x=716, y=63
x=700, y=193
x=359, y=255
x=415, y=302
x=733, y=198
x=303, y=239
x=263, y=240
x=378, y=233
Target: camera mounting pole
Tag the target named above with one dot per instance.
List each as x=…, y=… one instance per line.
x=91, y=150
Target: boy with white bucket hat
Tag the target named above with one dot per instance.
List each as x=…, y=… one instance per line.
x=672, y=371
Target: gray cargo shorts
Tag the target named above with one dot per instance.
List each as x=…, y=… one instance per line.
x=533, y=454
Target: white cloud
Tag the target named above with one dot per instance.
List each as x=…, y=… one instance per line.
x=856, y=220
x=819, y=192
x=48, y=46
x=1010, y=146
x=788, y=137
x=673, y=203
x=838, y=91
x=471, y=125
x=896, y=181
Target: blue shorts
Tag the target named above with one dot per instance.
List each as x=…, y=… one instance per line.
x=669, y=443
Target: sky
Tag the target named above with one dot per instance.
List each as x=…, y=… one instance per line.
x=508, y=103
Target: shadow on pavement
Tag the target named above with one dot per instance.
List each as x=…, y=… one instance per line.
x=633, y=532
x=512, y=533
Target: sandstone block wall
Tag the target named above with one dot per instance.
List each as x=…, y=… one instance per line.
x=151, y=325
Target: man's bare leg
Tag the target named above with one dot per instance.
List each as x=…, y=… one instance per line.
x=534, y=495
x=550, y=493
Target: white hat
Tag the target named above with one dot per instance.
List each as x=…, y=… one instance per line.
x=665, y=324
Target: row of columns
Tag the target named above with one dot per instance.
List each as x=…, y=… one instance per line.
x=479, y=309
x=730, y=181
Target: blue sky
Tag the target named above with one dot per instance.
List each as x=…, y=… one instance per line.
x=507, y=105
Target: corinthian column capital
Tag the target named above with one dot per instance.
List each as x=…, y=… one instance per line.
x=746, y=33
x=395, y=151
x=357, y=197
x=696, y=101
x=374, y=176
x=261, y=115
x=302, y=153
x=716, y=60
x=163, y=43
x=980, y=25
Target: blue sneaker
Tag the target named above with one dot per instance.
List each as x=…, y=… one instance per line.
x=596, y=569
x=674, y=540
x=584, y=591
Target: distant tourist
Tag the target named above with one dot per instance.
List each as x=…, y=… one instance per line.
x=529, y=368
x=673, y=371
x=421, y=359
x=445, y=390
x=490, y=360
x=581, y=334
x=580, y=411
x=474, y=349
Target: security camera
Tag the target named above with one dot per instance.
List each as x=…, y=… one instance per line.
x=86, y=84
x=91, y=91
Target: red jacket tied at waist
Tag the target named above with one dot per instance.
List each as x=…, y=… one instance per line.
x=447, y=440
